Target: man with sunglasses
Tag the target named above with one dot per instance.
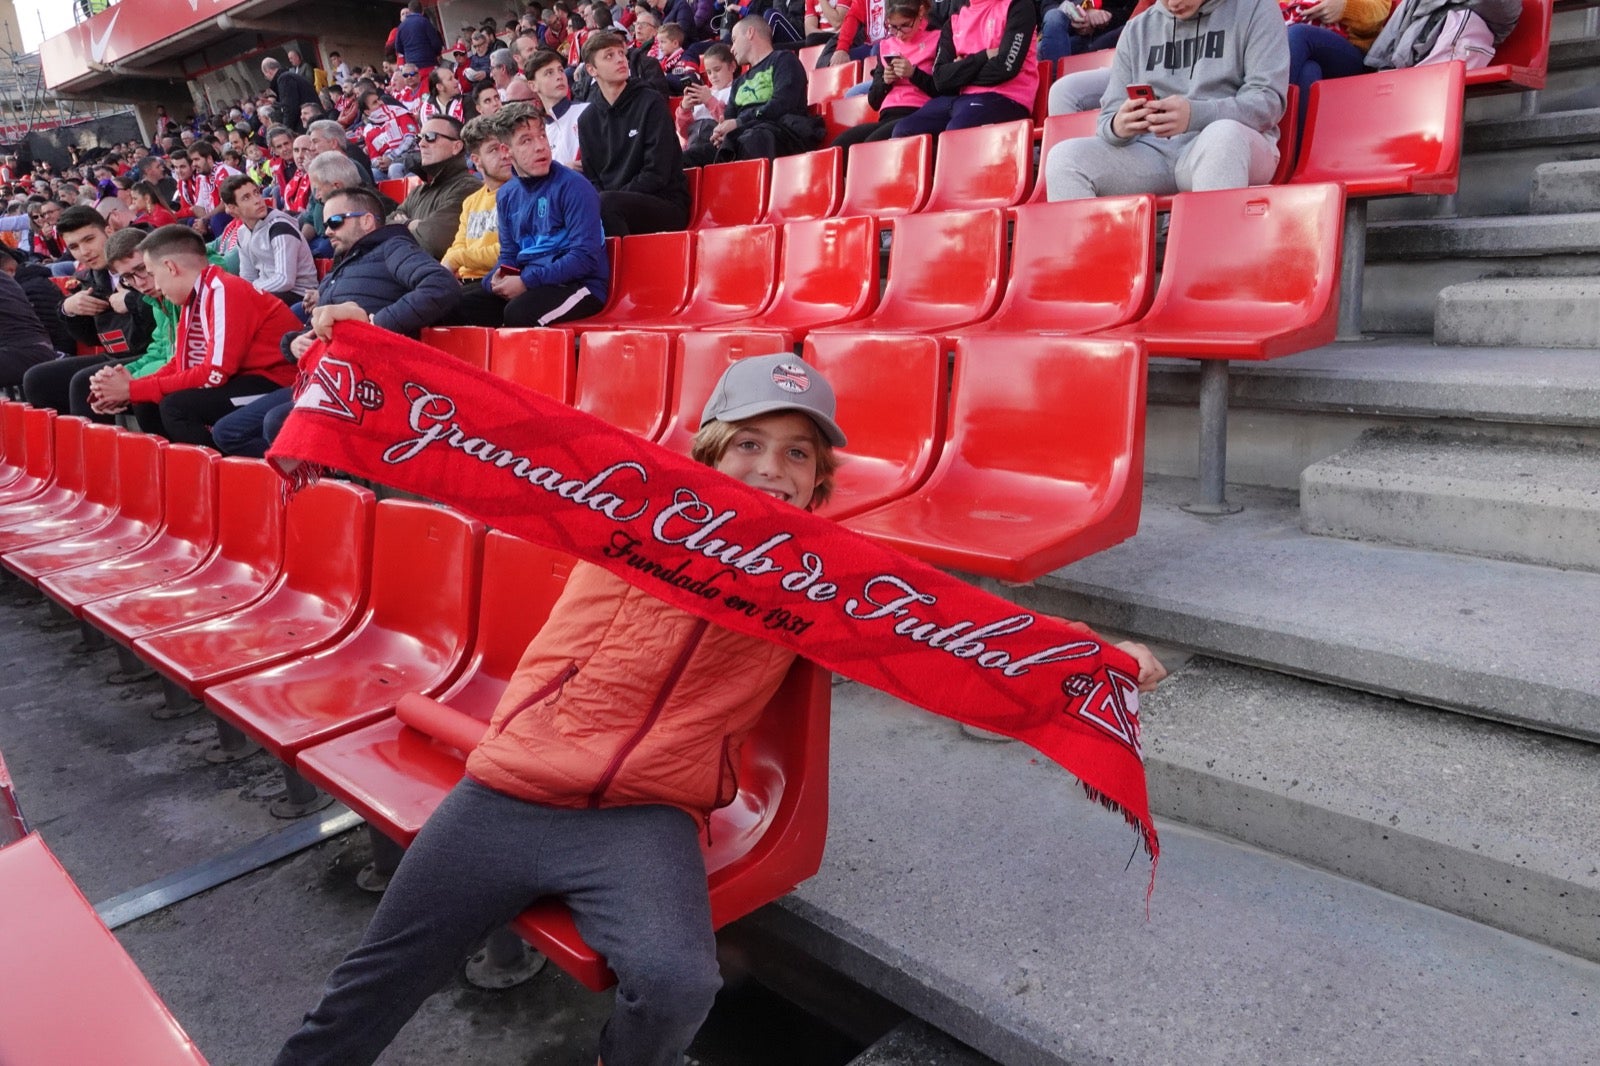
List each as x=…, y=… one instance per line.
x=432, y=211
x=380, y=275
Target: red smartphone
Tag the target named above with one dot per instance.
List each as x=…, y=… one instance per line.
x=507, y=271
x=1141, y=92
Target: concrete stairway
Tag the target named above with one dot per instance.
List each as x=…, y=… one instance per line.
x=1378, y=765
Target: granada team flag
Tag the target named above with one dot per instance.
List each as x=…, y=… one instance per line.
x=379, y=406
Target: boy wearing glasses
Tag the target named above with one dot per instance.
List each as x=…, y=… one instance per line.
x=432, y=211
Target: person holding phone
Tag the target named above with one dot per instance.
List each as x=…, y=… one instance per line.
x=903, y=79
x=985, y=68
x=1195, y=95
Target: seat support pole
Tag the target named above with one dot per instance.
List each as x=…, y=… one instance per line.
x=1211, y=498
x=1352, y=266
x=386, y=855
x=506, y=960
x=232, y=744
x=300, y=797
x=179, y=703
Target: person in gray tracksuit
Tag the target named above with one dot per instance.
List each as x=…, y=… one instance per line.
x=1219, y=75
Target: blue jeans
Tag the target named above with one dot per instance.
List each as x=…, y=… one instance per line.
x=960, y=113
x=243, y=432
x=1316, y=53
x=1057, y=41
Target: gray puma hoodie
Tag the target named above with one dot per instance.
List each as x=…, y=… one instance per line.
x=1231, y=59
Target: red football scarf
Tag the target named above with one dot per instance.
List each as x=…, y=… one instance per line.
x=386, y=408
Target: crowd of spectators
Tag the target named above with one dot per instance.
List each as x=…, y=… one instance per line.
x=191, y=264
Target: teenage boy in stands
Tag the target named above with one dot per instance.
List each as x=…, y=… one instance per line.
x=88, y=312
x=273, y=255
x=1218, y=71
x=382, y=275
x=629, y=147
x=225, y=351
x=476, y=250
x=548, y=76
x=552, y=266
x=767, y=115
x=487, y=99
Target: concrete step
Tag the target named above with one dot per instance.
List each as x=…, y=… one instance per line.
x=1289, y=413
x=1547, y=312
x=1409, y=262
x=1493, y=639
x=1524, y=502
x=973, y=885
x=1563, y=187
x=916, y=1043
x=1479, y=819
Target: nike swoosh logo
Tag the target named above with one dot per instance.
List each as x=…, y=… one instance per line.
x=98, y=42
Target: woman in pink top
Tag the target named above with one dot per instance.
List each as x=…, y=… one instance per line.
x=985, y=68
x=903, y=80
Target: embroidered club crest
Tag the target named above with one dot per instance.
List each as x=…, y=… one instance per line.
x=791, y=377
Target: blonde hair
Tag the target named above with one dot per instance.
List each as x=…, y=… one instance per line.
x=712, y=439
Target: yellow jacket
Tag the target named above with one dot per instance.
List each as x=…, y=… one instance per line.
x=476, y=249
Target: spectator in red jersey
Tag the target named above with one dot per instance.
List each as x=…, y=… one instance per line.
x=390, y=131
x=148, y=212
x=296, y=192
x=225, y=349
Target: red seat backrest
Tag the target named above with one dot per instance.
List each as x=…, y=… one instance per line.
x=521, y=583
x=470, y=344
x=884, y=178
x=141, y=463
x=731, y=194
x=624, y=377
x=1387, y=133
x=1041, y=98
x=100, y=475
x=945, y=271
x=805, y=186
x=846, y=112
x=830, y=82
x=426, y=562
x=651, y=279
x=189, y=493
x=395, y=189
x=1523, y=59
x=891, y=404
x=69, y=468
x=736, y=269
x=327, y=545
x=13, y=444
x=538, y=359
x=1252, y=263
x=1079, y=266
x=1098, y=60
x=985, y=166
x=250, y=513
x=39, y=442
x=694, y=374
x=828, y=274
x=1058, y=128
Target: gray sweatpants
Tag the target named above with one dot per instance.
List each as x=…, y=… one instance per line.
x=633, y=877
x=1224, y=155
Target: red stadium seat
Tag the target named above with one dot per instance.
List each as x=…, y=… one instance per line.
x=13, y=441
x=94, y=509
x=809, y=56
x=1077, y=267
x=394, y=776
x=736, y=269
x=247, y=559
x=986, y=166
x=945, y=271
x=731, y=194
x=66, y=486
x=1041, y=98
x=186, y=536
x=650, y=281
x=624, y=377
x=137, y=518
x=38, y=449
x=891, y=403
x=326, y=561
x=846, y=112
x=694, y=374
x=1387, y=133
x=73, y=995
x=829, y=83
x=1099, y=60
x=1058, y=128
x=470, y=344
x=395, y=189
x=827, y=275
x=805, y=186
x=538, y=359
x=324, y=268
x=1043, y=464
x=64, y=284
x=887, y=178
x=412, y=636
x=1522, y=60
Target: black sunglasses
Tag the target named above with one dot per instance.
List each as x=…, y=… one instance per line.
x=434, y=135
x=335, y=221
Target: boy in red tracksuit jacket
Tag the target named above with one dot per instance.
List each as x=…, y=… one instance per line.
x=225, y=351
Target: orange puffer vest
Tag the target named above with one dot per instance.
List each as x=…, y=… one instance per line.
x=622, y=699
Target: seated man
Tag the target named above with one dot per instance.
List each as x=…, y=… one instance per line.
x=225, y=350
x=629, y=148
x=1219, y=82
x=553, y=265
x=476, y=249
x=767, y=115
x=25, y=343
x=548, y=76
x=432, y=211
x=273, y=255
x=381, y=275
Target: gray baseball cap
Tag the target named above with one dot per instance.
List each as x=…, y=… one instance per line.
x=762, y=384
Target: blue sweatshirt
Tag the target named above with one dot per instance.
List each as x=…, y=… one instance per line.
x=550, y=231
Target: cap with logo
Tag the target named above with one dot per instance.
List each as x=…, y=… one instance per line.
x=762, y=384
